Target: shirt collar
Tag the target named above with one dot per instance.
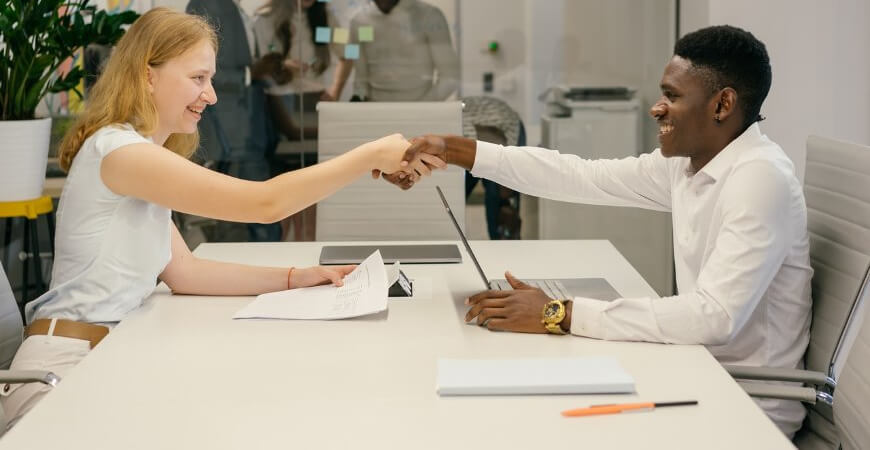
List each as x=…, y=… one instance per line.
x=722, y=162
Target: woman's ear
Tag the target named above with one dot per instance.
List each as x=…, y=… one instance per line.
x=150, y=75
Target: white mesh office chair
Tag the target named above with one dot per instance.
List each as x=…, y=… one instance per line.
x=374, y=209
x=837, y=188
x=11, y=336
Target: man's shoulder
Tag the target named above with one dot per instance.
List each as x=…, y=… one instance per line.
x=766, y=153
x=424, y=9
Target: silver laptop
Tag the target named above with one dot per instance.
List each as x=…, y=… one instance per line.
x=597, y=288
x=406, y=254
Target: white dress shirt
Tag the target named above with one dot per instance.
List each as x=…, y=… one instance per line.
x=741, y=248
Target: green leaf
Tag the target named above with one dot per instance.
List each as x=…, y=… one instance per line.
x=36, y=39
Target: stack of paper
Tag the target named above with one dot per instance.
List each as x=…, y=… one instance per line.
x=364, y=292
x=532, y=376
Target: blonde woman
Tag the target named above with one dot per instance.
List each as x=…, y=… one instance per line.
x=128, y=169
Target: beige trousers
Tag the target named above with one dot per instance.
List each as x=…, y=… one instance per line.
x=54, y=353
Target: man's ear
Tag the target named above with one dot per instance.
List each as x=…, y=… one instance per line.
x=726, y=105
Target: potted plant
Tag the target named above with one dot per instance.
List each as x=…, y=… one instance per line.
x=36, y=37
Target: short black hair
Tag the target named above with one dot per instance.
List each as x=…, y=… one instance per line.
x=730, y=57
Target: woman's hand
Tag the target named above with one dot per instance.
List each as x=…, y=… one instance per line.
x=390, y=151
x=319, y=275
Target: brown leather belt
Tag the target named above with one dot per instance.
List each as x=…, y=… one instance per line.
x=68, y=328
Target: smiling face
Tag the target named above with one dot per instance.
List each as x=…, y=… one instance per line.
x=182, y=89
x=685, y=112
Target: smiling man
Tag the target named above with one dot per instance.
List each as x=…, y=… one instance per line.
x=741, y=246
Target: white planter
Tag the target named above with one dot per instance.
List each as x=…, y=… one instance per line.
x=23, y=158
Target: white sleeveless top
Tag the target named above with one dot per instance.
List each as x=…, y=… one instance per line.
x=109, y=248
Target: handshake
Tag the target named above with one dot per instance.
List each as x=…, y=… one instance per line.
x=404, y=162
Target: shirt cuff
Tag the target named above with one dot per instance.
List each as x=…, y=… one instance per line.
x=587, y=316
x=486, y=159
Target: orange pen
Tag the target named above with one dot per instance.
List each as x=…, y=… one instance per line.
x=595, y=410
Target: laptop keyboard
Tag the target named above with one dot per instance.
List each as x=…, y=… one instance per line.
x=553, y=288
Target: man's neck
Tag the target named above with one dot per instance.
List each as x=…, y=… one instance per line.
x=718, y=142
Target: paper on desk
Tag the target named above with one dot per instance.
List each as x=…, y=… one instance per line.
x=364, y=292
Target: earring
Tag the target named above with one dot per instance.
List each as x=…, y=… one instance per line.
x=716, y=118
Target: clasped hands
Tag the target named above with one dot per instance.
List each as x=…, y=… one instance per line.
x=425, y=153
x=404, y=162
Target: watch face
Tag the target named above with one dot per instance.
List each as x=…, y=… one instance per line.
x=552, y=310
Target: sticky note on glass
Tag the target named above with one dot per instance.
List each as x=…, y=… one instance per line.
x=366, y=34
x=322, y=35
x=340, y=36
x=351, y=51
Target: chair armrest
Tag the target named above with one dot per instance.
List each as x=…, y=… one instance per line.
x=785, y=392
x=29, y=376
x=765, y=390
x=818, y=379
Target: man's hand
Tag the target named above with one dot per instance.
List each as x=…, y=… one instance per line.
x=519, y=310
x=319, y=275
x=392, y=153
x=328, y=96
x=431, y=150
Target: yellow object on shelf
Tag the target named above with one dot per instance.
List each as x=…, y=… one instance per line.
x=26, y=208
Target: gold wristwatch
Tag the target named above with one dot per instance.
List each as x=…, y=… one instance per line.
x=553, y=315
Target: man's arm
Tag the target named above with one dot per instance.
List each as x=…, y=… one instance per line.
x=361, y=74
x=342, y=73
x=642, y=182
x=443, y=56
x=751, y=246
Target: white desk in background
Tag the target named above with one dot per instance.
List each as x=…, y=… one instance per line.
x=180, y=373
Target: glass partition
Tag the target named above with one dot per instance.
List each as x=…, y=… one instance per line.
x=574, y=75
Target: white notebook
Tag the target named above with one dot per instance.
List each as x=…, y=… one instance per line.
x=591, y=375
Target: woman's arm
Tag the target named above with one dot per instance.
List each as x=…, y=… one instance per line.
x=155, y=174
x=187, y=274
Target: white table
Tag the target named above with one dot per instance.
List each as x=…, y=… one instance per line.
x=180, y=373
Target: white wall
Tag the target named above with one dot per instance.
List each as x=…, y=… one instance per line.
x=503, y=21
x=543, y=43
x=821, y=69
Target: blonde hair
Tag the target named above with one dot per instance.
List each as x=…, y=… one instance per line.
x=121, y=93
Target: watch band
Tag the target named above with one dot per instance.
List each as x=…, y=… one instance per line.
x=555, y=328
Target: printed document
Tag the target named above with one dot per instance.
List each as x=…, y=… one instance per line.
x=364, y=292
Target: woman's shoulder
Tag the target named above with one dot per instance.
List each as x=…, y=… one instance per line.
x=114, y=136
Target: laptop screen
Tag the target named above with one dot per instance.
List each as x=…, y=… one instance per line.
x=462, y=236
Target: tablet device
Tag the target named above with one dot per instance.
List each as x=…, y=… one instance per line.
x=404, y=253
